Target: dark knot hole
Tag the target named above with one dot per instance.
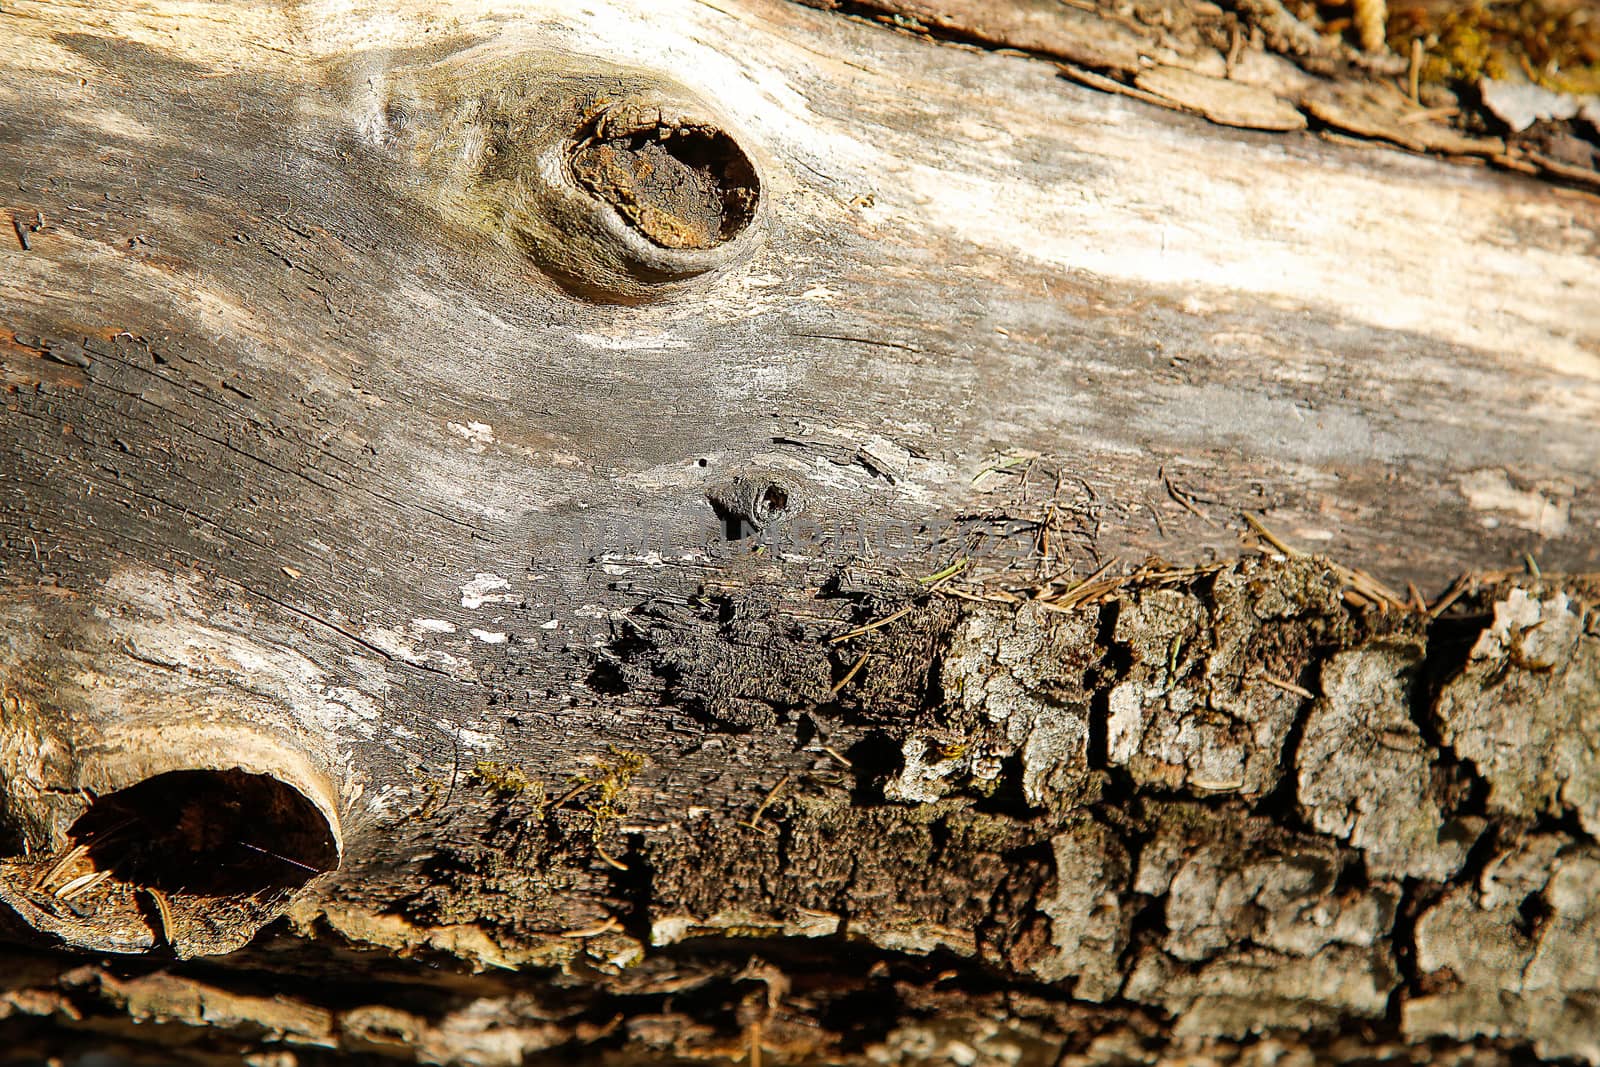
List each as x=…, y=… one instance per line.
x=207, y=833
x=681, y=186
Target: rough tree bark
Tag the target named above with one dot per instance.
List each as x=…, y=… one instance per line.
x=712, y=530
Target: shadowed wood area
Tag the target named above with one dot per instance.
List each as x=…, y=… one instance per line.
x=705, y=532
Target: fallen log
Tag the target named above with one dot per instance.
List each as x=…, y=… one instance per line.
x=716, y=531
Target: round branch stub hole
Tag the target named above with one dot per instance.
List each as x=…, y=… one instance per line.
x=207, y=833
x=680, y=185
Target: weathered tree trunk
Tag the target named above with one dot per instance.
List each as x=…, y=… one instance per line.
x=701, y=531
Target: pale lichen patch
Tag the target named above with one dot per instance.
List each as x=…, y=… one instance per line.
x=1089, y=918
x=1195, y=708
x=1261, y=930
x=478, y=435
x=1364, y=769
x=1519, y=953
x=1544, y=509
x=1001, y=666
x=487, y=589
x=1526, y=707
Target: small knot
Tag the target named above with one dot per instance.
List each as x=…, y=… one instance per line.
x=749, y=503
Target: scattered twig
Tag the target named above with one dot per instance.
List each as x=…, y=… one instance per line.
x=849, y=675
x=754, y=822
x=1155, y=514
x=1369, y=587
x=1006, y=466
x=1271, y=538
x=71, y=856
x=576, y=791
x=163, y=913
x=1098, y=586
x=1185, y=499
x=1040, y=586
x=846, y=764
x=871, y=626
x=1094, y=585
x=997, y=596
x=1458, y=588
x=606, y=927
x=947, y=572
x=1287, y=687
x=1418, y=602
x=609, y=858
x=81, y=885
x=1363, y=589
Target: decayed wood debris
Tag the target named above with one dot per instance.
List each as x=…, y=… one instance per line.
x=1428, y=75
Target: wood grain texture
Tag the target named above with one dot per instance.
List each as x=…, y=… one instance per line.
x=538, y=554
